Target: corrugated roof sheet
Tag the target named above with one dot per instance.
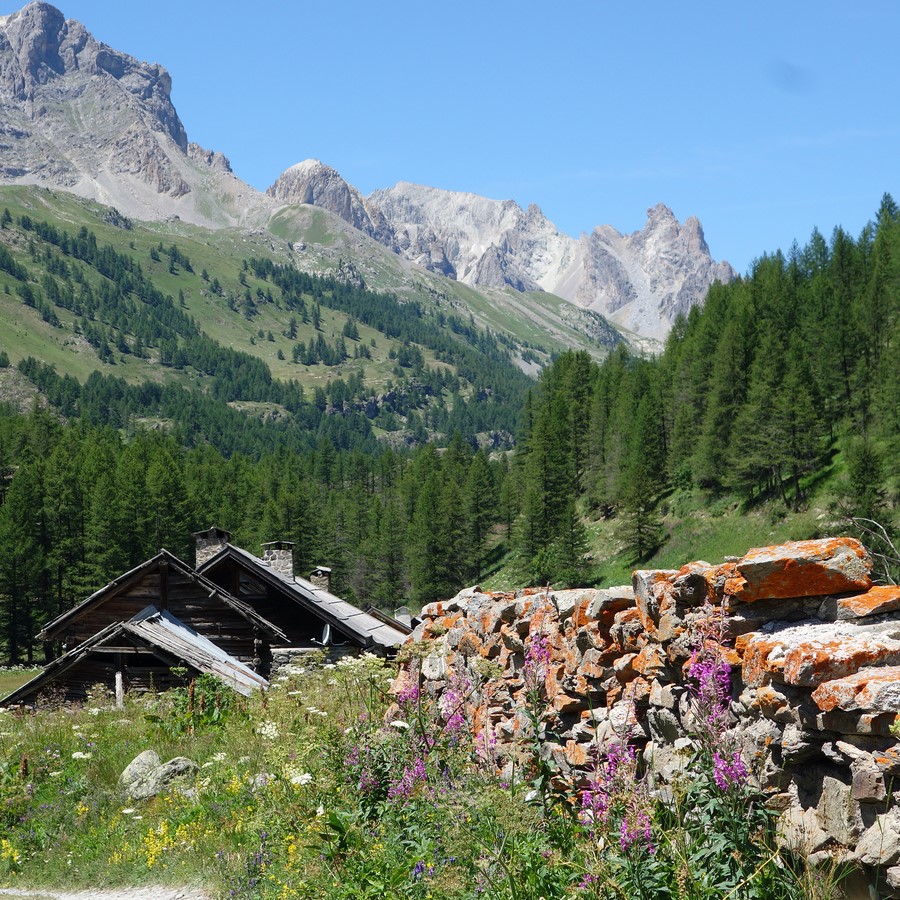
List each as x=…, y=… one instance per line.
x=345, y=616
x=161, y=629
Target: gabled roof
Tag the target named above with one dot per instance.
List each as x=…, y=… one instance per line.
x=361, y=627
x=53, y=629
x=159, y=632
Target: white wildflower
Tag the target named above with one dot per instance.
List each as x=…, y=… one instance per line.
x=268, y=730
x=129, y=810
x=320, y=811
x=399, y=723
x=80, y=754
x=300, y=778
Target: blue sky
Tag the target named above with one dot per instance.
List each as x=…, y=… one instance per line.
x=763, y=119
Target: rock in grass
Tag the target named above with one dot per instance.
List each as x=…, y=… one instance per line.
x=145, y=776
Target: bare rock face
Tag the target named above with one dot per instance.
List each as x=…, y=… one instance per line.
x=645, y=279
x=640, y=281
x=81, y=116
x=315, y=183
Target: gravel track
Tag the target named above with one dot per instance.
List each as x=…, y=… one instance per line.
x=144, y=893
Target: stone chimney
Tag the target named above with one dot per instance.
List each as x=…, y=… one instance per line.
x=279, y=555
x=209, y=543
x=321, y=578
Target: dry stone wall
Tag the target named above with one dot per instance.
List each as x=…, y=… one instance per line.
x=815, y=653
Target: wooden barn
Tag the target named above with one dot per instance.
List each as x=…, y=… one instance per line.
x=225, y=618
x=305, y=610
x=139, y=653
x=172, y=586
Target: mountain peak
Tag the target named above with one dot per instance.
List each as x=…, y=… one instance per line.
x=660, y=213
x=311, y=181
x=99, y=123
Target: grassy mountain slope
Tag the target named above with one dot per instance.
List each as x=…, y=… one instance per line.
x=207, y=277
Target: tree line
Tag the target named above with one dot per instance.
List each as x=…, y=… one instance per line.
x=80, y=504
x=754, y=395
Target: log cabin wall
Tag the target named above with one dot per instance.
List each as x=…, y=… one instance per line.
x=303, y=628
x=142, y=672
x=189, y=601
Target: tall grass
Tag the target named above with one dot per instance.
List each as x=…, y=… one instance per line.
x=310, y=792
x=12, y=677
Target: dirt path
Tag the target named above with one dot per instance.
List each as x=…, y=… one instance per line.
x=145, y=893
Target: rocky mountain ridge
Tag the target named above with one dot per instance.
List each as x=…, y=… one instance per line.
x=82, y=117
x=640, y=281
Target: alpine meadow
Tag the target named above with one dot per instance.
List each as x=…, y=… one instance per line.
x=402, y=545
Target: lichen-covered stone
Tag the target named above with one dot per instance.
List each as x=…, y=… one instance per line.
x=876, y=601
x=871, y=689
x=816, y=677
x=810, y=654
x=800, y=569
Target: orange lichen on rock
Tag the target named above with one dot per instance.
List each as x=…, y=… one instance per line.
x=812, y=663
x=651, y=587
x=874, y=602
x=875, y=689
x=800, y=569
x=806, y=655
x=763, y=659
x=578, y=754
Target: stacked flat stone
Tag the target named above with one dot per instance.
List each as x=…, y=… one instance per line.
x=815, y=651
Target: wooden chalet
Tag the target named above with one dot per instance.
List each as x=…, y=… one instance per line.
x=172, y=586
x=225, y=617
x=306, y=611
x=139, y=653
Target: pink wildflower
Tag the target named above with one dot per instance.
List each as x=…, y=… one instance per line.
x=728, y=774
x=413, y=775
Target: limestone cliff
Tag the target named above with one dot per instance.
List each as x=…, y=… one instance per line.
x=80, y=116
x=640, y=281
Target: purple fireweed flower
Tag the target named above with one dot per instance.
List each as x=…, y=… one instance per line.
x=615, y=780
x=594, y=804
x=537, y=658
x=486, y=745
x=452, y=704
x=729, y=773
x=408, y=697
x=538, y=652
x=368, y=782
x=403, y=788
x=635, y=827
x=711, y=674
x=353, y=757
